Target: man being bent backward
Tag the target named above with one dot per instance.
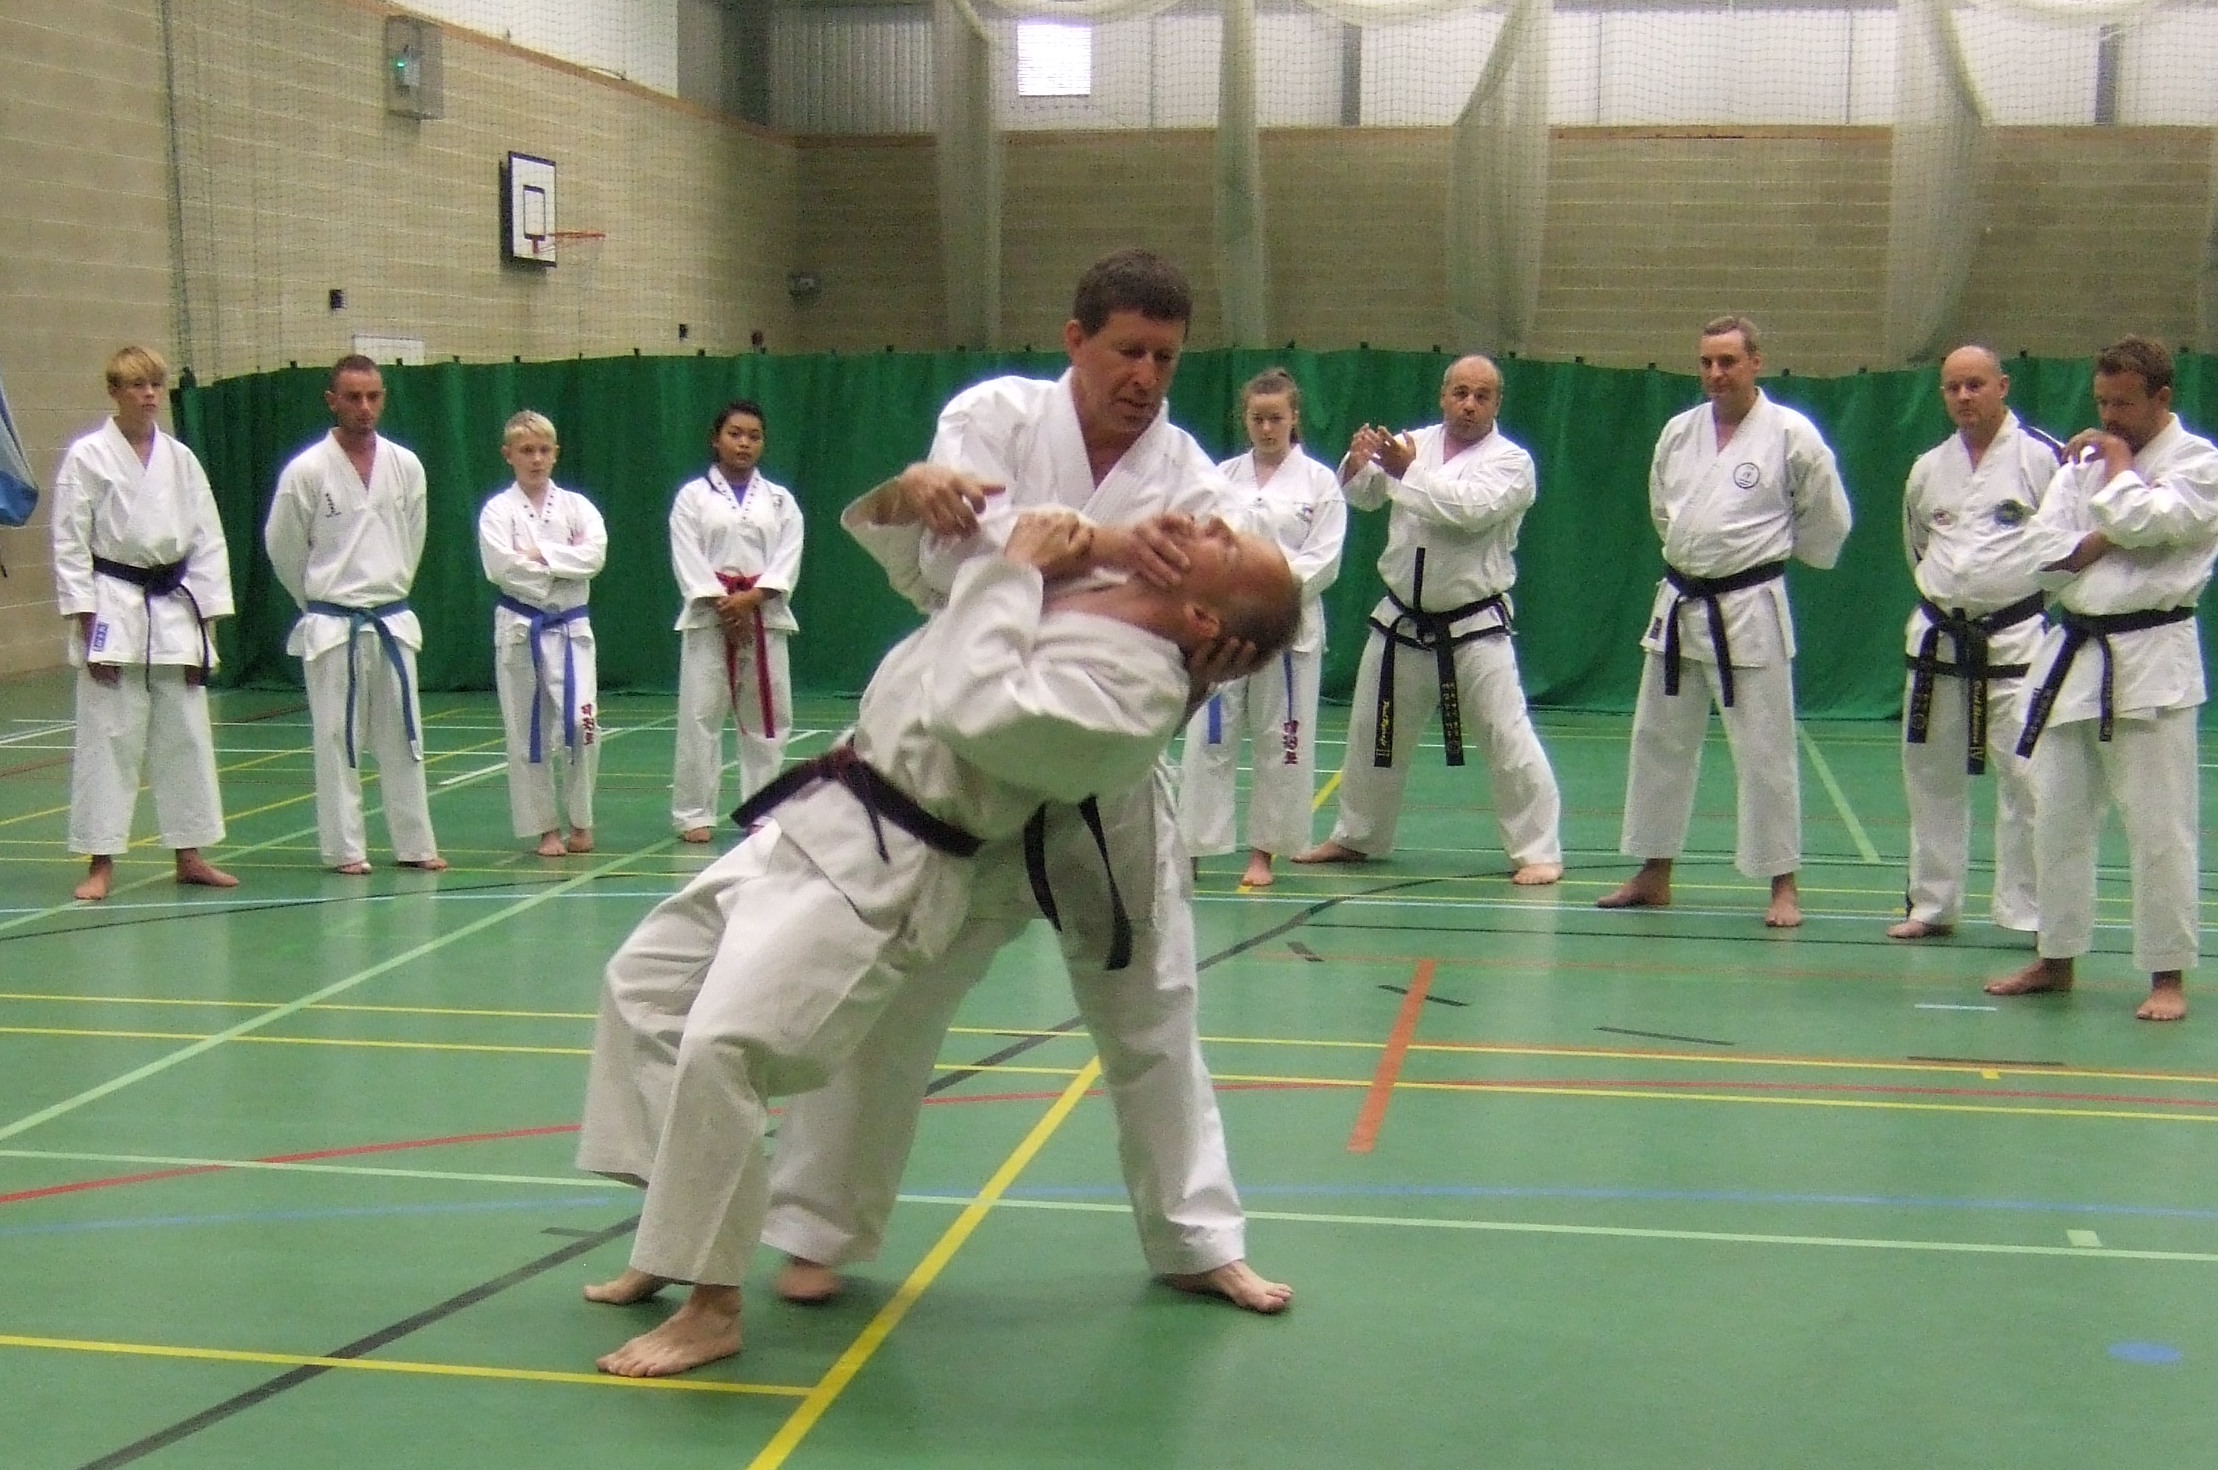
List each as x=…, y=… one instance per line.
x=761, y=976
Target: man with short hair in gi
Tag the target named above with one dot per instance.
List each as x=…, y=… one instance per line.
x=345, y=532
x=1738, y=486
x=1441, y=638
x=767, y=970
x=2133, y=519
x=1967, y=515
x=142, y=572
x=1096, y=440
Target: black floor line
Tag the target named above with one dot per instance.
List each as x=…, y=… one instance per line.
x=1438, y=1000
x=1665, y=1036
x=1985, y=1062
x=361, y=1347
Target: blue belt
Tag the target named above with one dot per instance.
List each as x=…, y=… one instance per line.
x=543, y=621
x=359, y=618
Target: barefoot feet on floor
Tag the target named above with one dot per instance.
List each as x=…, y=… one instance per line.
x=632, y=1286
x=1238, y=1284
x=196, y=871
x=695, y=834
x=1332, y=852
x=1537, y=875
x=354, y=868
x=1650, y=888
x=581, y=840
x=2042, y=977
x=99, y=873
x=1258, y=874
x=1919, y=929
x=432, y=864
x=550, y=844
x=2167, y=1001
x=704, y=1329
x=807, y=1282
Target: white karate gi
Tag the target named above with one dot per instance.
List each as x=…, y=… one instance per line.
x=1301, y=508
x=1967, y=530
x=751, y=533
x=107, y=503
x=333, y=539
x=2162, y=516
x=1461, y=512
x=766, y=971
x=1770, y=494
x=841, y=1148
x=557, y=684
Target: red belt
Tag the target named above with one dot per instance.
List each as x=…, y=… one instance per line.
x=733, y=582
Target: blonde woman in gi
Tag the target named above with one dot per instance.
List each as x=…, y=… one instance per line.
x=141, y=571
x=1278, y=492
x=735, y=544
x=542, y=546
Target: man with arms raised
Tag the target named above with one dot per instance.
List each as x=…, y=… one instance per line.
x=1095, y=440
x=1738, y=486
x=345, y=532
x=1967, y=523
x=1441, y=639
x=2132, y=518
x=767, y=970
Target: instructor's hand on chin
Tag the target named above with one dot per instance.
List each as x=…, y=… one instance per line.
x=1154, y=551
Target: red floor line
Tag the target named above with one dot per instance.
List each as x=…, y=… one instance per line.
x=84, y=1184
x=1373, y=1114
x=1681, y=1084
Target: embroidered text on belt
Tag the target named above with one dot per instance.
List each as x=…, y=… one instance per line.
x=1433, y=632
x=1289, y=729
x=1968, y=636
x=541, y=621
x=165, y=580
x=359, y=618
x=2079, y=630
x=1707, y=591
x=733, y=582
x=882, y=802
x=1043, y=893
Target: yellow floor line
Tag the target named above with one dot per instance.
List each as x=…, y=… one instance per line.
x=389, y=1365
x=820, y=1398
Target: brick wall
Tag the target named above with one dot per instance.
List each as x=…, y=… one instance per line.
x=869, y=232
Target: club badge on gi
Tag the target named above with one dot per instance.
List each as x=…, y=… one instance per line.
x=1746, y=475
x=2013, y=513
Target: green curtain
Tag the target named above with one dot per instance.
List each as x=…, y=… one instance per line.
x=634, y=428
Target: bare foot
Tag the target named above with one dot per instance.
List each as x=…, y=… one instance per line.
x=1332, y=852
x=632, y=1286
x=1919, y=929
x=2167, y=1000
x=807, y=1282
x=1650, y=888
x=98, y=873
x=581, y=840
x=424, y=865
x=2039, y=978
x=1238, y=1284
x=1537, y=875
x=550, y=845
x=196, y=871
x=695, y=834
x=1785, y=909
x=704, y=1329
x=1258, y=874
x=359, y=868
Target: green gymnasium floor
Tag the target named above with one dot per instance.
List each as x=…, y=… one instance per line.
x=285, y=1180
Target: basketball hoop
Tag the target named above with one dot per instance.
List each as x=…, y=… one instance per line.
x=580, y=247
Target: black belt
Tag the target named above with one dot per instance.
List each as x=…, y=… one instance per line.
x=1035, y=868
x=1431, y=631
x=1968, y=637
x=881, y=799
x=154, y=582
x=1707, y=590
x=2079, y=629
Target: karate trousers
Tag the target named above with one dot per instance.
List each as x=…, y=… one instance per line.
x=1280, y=795
x=533, y=807
x=842, y=1147
x=2148, y=769
x=1668, y=730
x=1940, y=799
x=710, y=691
x=1528, y=810
x=378, y=732
x=127, y=729
x=754, y=980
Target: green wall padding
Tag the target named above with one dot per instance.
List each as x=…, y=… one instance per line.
x=634, y=428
